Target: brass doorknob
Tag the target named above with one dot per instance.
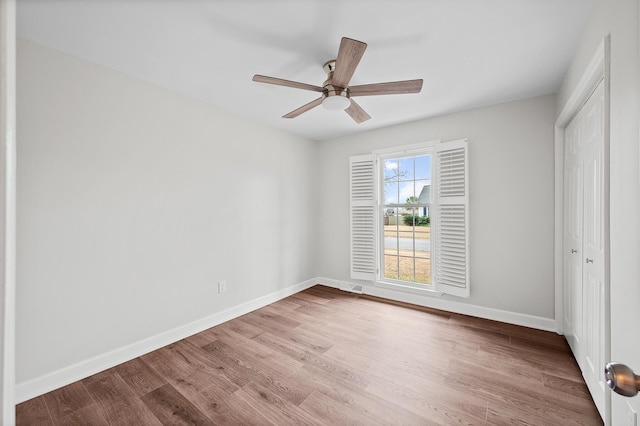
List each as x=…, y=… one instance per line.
x=621, y=379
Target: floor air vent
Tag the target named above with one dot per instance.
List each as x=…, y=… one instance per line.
x=353, y=288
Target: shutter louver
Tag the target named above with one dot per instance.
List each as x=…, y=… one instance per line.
x=452, y=227
x=362, y=185
x=363, y=217
x=451, y=182
x=362, y=239
x=452, y=266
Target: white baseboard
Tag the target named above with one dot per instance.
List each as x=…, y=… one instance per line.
x=532, y=321
x=328, y=282
x=56, y=379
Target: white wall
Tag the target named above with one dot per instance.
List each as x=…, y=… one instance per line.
x=619, y=18
x=134, y=201
x=511, y=200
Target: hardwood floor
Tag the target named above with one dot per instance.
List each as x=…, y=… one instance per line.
x=326, y=357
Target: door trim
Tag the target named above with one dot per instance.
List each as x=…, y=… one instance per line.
x=597, y=70
x=7, y=209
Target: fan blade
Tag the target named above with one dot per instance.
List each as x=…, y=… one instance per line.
x=391, y=88
x=304, y=108
x=288, y=83
x=357, y=113
x=349, y=55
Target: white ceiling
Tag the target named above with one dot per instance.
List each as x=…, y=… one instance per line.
x=470, y=53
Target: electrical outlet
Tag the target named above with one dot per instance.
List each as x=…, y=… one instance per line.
x=222, y=286
x=632, y=416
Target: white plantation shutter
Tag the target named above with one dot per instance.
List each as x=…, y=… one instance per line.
x=451, y=204
x=363, y=217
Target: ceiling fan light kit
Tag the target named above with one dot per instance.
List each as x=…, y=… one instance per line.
x=336, y=100
x=336, y=92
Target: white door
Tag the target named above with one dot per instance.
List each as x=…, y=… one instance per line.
x=572, y=256
x=584, y=244
x=593, y=246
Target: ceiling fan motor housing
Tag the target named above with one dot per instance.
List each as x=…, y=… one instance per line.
x=329, y=89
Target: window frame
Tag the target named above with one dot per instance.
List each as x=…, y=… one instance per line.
x=449, y=237
x=425, y=148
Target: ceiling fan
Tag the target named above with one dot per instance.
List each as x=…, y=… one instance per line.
x=336, y=92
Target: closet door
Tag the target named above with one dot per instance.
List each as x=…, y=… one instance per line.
x=572, y=264
x=593, y=246
x=584, y=243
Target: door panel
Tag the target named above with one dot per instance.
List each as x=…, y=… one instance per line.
x=572, y=267
x=593, y=246
x=584, y=243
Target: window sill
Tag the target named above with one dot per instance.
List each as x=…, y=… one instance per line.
x=408, y=289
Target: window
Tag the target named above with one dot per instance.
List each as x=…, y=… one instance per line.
x=409, y=217
x=405, y=220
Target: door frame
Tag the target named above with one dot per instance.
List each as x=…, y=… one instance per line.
x=598, y=69
x=7, y=209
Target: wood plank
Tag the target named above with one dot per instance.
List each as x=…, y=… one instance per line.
x=335, y=369
x=33, y=412
x=572, y=387
x=516, y=367
x=171, y=407
x=67, y=399
x=549, y=360
x=228, y=409
x=547, y=346
x=333, y=412
x=365, y=403
x=267, y=321
x=386, y=365
x=522, y=414
x=252, y=369
x=242, y=328
x=203, y=338
x=118, y=404
x=309, y=296
x=432, y=400
x=503, y=389
x=519, y=362
x=190, y=369
x=295, y=344
x=139, y=376
x=89, y=415
x=253, y=349
x=285, y=304
x=321, y=291
x=277, y=410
